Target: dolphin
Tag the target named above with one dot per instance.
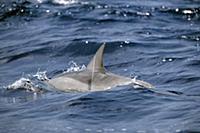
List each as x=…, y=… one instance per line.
x=94, y=78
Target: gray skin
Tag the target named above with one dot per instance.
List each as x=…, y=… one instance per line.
x=93, y=78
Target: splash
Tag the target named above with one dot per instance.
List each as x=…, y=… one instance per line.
x=64, y=2
x=41, y=76
x=29, y=83
x=74, y=67
x=33, y=82
x=22, y=83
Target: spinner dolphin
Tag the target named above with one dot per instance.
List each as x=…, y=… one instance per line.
x=94, y=78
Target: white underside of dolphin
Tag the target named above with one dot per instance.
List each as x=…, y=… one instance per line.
x=93, y=78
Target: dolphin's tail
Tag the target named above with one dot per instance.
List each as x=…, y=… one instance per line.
x=142, y=83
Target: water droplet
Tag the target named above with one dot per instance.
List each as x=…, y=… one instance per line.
x=69, y=128
x=148, y=33
x=163, y=60
x=125, y=15
x=59, y=13
x=99, y=7
x=170, y=59
x=74, y=67
x=118, y=12
x=124, y=129
x=187, y=12
x=178, y=130
x=127, y=42
x=163, y=7
x=143, y=13
x=22, y=10
x=47, y=11
x=184, y=37
x=88, y=130
x=106, y=6
x=65, y=2
x=189, y=18
x=39, y=1
x=41, y=75
x=147, y=13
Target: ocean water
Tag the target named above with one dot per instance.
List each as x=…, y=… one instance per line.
x=155, y=41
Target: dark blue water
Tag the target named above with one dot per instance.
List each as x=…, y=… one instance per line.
x=157, y=41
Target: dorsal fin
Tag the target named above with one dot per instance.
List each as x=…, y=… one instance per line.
x=96, y=64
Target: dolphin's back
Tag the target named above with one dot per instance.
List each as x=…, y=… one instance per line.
x=88, y=81
x=108, y=80
x=77, y=81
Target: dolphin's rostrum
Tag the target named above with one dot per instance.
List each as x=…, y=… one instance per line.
x=93, y=78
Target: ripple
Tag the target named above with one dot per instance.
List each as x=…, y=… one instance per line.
x=157, y=43
x=191, y=36
x=189, y=13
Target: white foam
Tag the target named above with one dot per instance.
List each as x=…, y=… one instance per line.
x=187, y=11
x=65, y=2
x=41, y=75
x=26, y=83
x=74, y=67
x=21, y=83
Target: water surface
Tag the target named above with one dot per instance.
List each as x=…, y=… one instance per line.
x=157, y=41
